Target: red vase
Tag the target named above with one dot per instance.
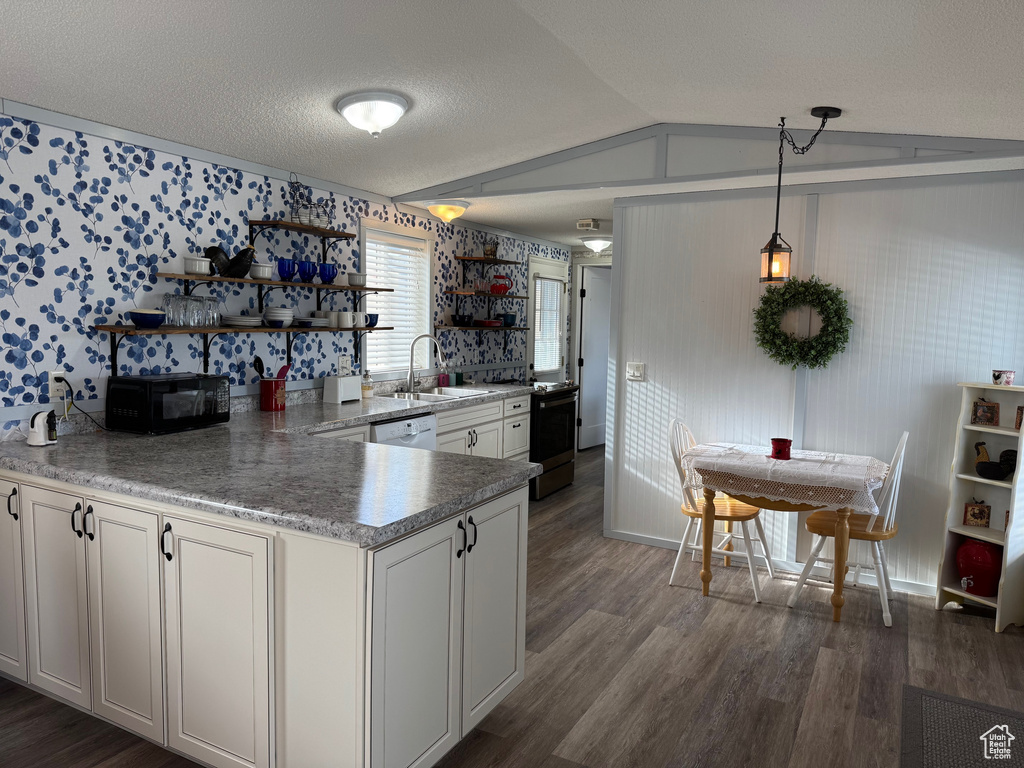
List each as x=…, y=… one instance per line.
x=979, y=564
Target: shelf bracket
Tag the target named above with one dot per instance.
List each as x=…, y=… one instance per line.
x=115, y=342
x=207, y=343
x=189, y=286
x=261, y=294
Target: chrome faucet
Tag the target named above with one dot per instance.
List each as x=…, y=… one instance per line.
x=411, y=383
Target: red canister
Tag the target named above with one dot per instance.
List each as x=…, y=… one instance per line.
x=781, y=447
x=979, y=564
x=272, y=393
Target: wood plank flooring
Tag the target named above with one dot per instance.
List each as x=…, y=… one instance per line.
x=623, y=670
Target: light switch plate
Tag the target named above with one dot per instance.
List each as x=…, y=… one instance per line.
x=635, y=371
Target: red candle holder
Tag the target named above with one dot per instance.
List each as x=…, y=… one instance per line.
x=781, y=447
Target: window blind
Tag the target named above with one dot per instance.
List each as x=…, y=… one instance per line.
x=402, y=263
x=548, y=325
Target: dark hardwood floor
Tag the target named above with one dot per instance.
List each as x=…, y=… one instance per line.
x=623, y=670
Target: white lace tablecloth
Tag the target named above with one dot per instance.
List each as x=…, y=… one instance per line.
x=823, y=480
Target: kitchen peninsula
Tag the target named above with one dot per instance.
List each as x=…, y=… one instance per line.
x=256, y=595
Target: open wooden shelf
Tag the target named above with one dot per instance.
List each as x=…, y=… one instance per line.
x=985, y=481
x=486, y=260
x=308, y=229
x=1008, y=431
x=479, y=328
x=271, y=283
x=174, y=330
x=977, y=532
x=991, y=602
x=485, y=294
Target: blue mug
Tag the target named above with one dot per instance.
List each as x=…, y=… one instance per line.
x=371, y=319
x=327, y=273
x=286, y=268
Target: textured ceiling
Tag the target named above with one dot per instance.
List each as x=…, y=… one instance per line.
x=492, y=83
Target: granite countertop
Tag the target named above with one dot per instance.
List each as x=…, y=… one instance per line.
x=267, y=467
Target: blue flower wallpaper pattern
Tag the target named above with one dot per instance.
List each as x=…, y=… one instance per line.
x=86, y=222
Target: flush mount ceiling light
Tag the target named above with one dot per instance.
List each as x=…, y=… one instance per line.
x=446, y=210
x=777, y=253
x=373, y=111
x=597, y=244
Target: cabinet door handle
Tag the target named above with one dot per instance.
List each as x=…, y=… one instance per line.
x=517, y=426
x=469, y=547
x=163, y=549
x=476, y=438
x=85, y=523
x=76, y=510
x=464, y=537
x=517, y=405
x=11, y=512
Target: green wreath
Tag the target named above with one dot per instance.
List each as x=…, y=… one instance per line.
x=787, y=349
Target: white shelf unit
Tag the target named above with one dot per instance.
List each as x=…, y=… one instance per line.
x=1003, y=496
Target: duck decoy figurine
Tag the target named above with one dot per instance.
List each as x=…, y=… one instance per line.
x=994, y=470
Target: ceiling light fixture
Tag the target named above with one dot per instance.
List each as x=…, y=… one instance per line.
x=777, y=253
x=373, y=111
x=446, y=210
x=597, y=244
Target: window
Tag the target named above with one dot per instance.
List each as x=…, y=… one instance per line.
x=548, y=325
x=403, y=263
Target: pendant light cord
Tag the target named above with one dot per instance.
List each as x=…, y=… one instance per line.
x=784, y=138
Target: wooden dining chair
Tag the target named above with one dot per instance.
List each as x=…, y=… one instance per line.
x=726, y=509
x=862, y=528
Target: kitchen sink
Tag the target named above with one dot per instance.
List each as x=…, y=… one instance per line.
x=457, y=392
x=426, y=397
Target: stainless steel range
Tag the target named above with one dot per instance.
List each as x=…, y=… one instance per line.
x=553, y=436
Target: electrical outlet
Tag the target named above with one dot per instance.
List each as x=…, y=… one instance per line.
x=636, y=371
x=59, y=390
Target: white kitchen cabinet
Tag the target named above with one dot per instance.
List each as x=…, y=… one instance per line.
x=416, y=652
x=353, y=434
x=124, y=614
x=57, y=599
x=516, y=438
x=217, y=593
x=448, y=631
x=473, y=431
x=13, y=648
x=455, y=442
x=487, y=440
x=494, y=634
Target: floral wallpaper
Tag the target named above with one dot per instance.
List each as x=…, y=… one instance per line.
x=86, y=222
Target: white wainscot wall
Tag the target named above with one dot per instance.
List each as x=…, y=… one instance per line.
x=934, y=277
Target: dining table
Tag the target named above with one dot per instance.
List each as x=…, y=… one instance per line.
x=808, y=481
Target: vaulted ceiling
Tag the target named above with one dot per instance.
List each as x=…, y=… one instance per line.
x=494, y=82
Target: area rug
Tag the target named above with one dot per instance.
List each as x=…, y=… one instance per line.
x=941, y=731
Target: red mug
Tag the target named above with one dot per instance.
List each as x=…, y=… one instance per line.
x=780, y=448
x=272, y=393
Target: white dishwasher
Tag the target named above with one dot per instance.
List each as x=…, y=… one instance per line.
x=415, y=432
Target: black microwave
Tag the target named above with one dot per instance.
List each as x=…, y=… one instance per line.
x=168, y=402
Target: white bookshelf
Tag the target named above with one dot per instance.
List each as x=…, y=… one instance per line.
x=1002, y=495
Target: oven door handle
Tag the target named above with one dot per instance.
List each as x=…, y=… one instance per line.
x=553, y=403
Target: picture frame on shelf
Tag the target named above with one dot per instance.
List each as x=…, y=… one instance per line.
x=977, y=514
x=985, y=413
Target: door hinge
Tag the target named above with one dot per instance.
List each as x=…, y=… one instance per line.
x=583, y=293
x=579, y=422
x=579, y=363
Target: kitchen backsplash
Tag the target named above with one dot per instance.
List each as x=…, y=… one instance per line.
x=85, y=222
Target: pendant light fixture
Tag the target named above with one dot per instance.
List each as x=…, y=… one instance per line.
x=596, y=244
x=446, y=210
x=373, y=111
x=777, y=253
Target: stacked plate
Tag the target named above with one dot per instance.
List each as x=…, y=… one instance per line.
x=278, y=317
x=241, y=321
x=312, y=322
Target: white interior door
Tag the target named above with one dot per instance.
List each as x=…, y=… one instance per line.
x=494, y=644
x=547, y=310
x=416, y=647
x=13, y=650
x=57, y=599
x=218, y=644
x=124, y=612
x=595, y=327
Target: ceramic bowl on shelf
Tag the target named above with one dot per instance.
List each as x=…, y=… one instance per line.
x=147, y=318
x=357, y=279
x=328, y=272
x=197, y=265
x=261, y=272
x=307, y=271
x=286, y=268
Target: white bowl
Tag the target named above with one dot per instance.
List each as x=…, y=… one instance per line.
x=357, y=279
x=261, y=271
x=197, y=265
